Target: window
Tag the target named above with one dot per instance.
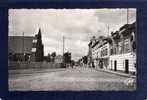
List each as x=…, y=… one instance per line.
x=114, y=50
x=106, y=51
x=33, y=49
x=126, y=46
x=101, y=53
x=120, y=47
x=34, y=40
x=111, y=51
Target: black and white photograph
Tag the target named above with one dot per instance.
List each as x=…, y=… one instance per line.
x=72, y=49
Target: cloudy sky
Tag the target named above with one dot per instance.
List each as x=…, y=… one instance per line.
x=77, y=25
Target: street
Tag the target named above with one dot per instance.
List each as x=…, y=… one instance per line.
x=74, y=79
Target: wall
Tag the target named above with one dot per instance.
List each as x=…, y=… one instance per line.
x=120, y=58
x=32, y=65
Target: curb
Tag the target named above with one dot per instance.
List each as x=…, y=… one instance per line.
x=116, y=73
x=35, y=71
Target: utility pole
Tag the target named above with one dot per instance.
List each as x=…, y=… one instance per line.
x=63, y=44
x=108, y=30
x=23, y=45
x=63, y=49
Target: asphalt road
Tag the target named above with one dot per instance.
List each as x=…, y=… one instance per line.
x=71, y=79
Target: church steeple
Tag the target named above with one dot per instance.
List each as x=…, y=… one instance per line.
x=39, y=46
x=39, y=32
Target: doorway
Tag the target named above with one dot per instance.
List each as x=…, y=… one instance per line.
x=126, y=66
x=115, y=65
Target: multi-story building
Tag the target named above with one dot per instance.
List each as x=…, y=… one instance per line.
x=105, y=53
x=100, y=52
x=123, y=55
x=26, y=48
x=117, y=52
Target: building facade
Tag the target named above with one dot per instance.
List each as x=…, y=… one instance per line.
x=26, y=48
x=59, y=59
x=37, y=48
x=123, y=49
x=105, y=53
x=116, y=52
x=101, y=52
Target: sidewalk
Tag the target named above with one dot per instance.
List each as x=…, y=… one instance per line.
x=39, y=70
x=117, y=73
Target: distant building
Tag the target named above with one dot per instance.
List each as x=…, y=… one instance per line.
x=26, y=48
x=59, y=59
x=104, y=54
x=100, y=52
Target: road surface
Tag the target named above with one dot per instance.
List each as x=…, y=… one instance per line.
x=73, y=79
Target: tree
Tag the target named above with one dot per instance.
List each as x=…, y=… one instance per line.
x=53, y=55
x=72, y=63
x=85, y=60
x=67, y=57
x=49, y=58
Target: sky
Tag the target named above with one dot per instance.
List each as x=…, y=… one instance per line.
x=76, y=25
